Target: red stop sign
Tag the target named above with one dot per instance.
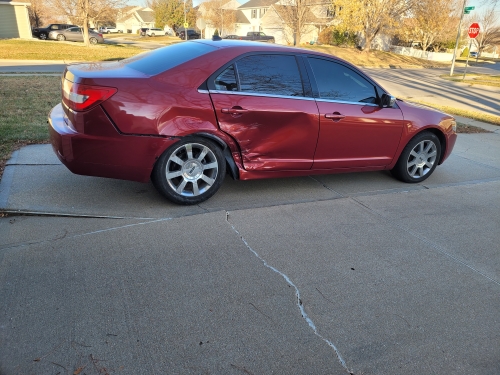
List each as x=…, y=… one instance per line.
x=473, y=30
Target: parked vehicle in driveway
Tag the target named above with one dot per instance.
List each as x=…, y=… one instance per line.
x=191, y=34
x=75, y=34
x=155, y=32
x=257, y=36
x=109, y=30
x=43, y=32
x=187, y=114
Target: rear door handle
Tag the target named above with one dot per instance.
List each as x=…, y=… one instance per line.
x=234, y=110
x=335, y=116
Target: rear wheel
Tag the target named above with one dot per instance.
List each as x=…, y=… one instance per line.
x=93, y=41
x=152, y=34
x=190, y=171
x=419, y=158
x=61, y=37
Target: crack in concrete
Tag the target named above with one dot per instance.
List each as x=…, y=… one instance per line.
x=297, y=293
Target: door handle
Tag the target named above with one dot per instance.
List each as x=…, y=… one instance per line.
x=234, y=110
x=335, y=116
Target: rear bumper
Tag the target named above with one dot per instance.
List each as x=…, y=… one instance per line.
x=125, y=157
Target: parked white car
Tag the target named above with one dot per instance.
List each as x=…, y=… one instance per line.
x=155, y=32
x=109, y=29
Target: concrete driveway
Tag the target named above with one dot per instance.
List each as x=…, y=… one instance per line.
x=336, y=274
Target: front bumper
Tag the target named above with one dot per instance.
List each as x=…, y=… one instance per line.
x=114, y=155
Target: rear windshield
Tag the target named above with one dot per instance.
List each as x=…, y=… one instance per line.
x=159, y=60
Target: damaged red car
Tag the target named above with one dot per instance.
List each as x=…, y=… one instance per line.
x=185, y=115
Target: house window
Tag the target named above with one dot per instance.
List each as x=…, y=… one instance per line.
x=254, y=13
x=330, y=13
x=262, y=12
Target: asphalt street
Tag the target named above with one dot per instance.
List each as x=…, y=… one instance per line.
x=351, y=273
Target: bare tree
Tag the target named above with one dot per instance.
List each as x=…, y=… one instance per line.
x=81, y=12
x=371, y=17
x=220, y=15
x=38, y=11
x=489, y=34
x=297, y=17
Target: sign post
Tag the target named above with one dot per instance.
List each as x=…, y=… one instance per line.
x=473, y=33
x=465, y=9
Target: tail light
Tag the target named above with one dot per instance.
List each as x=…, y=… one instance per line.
x=84, y=97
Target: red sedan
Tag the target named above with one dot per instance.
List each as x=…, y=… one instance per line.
x=187, y=114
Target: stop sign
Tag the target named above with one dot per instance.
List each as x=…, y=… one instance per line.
x=473, y=30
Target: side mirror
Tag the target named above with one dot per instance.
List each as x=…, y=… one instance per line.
x=387, y=101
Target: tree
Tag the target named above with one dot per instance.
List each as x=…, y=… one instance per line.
x=171, y=12
x=432, y=23
x=38, y=11
x=220, y=14
x=370, y=17
x=81, y=12
x=297, y=17
x=489, y=35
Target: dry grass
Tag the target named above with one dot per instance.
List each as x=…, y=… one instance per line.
x=474, y=79
x=16, y=49
x=26, y=102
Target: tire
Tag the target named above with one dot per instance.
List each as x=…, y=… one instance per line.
x=109, y=31
x=93, y=40
x=419, y=158
x=61, y=37
x=152, y=34
x=43, y=36
x=190, y=171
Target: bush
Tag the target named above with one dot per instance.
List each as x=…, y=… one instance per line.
x=338, y=38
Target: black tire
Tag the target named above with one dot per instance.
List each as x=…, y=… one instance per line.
x=61, y=37
x=189, y=171
x=153, y=34
x=419, y=158
x=93, y=40
x=43, y=36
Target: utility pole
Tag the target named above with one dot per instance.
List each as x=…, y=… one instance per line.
x=465, y=10
x=185, y=27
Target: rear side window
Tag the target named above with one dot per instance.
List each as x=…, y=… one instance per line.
x=159, y=60
x=270, y=74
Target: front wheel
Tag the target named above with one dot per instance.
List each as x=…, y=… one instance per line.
x=190, y=171
x=61, y=37
x=419, y=158
x=43, y=36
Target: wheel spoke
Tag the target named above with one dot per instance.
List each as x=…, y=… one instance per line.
x=181, y=187
x=208, y=180
x=411, y=163
x=429, y=146
x=420, y=171
x=176, y=160
x=429, y=164
x=412, y=170
x=189, y=151
x=210, y=166
x=203, y=153
x=175, y=174
x=196, y=190
x=433, y=153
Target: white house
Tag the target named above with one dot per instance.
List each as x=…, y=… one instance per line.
x=14, y=19
x=132, y=18
x=253, y=12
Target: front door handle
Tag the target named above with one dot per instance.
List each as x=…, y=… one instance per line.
x=335, y=116
x=234, y=110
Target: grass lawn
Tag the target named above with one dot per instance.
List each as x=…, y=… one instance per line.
x=475, y=79
x=16, y=49
x=27, y=100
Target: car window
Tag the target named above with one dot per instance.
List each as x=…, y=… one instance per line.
x=54, y=27
x=270, y=74
x=337, y=82
x=226, y=81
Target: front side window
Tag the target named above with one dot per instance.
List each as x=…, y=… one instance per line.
x=270, y=74
x=337, y=82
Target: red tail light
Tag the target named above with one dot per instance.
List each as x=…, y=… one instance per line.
x=83, y=97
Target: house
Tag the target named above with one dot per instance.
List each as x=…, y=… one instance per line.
x=14, y=19
x=130, y=19
x=276, y=21
x=227, y=14
x=252, y=13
